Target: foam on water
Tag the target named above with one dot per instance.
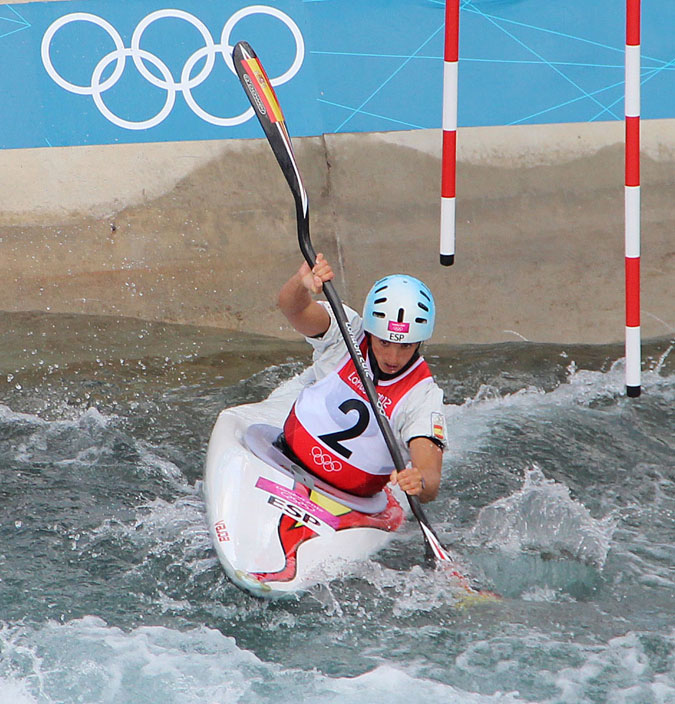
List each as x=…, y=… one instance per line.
x=473, y=420
x=87, y=660
x=543, y=518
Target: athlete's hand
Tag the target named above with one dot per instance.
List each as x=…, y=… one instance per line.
x=313, y=279
x=409, y=479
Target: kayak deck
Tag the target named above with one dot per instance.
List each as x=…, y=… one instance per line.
x=275, y=530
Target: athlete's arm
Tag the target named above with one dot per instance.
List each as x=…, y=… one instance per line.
x=424, y=477
x=295, y=300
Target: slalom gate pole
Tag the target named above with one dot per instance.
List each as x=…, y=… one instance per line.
x=632, y=197
x=449, y=156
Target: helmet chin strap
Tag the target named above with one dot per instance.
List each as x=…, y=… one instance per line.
x=378, y=374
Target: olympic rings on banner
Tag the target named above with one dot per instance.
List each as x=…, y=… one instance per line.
x=140, y=57
x=325, y=461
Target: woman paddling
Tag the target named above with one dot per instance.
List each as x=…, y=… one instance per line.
x=331, y=428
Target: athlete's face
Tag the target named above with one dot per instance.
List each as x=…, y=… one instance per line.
x=392, y=356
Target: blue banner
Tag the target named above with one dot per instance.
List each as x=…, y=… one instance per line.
x=101, y=72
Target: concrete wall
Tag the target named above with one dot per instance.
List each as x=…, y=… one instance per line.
x=204, y=232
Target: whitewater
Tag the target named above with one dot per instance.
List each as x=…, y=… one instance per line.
x=558, y=492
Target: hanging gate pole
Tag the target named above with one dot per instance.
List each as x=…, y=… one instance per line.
x=449, y=156
x=632, y=197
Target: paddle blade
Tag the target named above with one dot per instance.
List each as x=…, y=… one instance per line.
x=265, y=103
x=443, y=560
x=257, y=85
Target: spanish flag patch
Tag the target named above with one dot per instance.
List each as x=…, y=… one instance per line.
x=438, y=427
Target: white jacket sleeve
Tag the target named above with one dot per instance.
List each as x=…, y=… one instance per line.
x=422, y=415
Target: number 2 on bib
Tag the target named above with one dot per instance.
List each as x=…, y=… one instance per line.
x=333, y=440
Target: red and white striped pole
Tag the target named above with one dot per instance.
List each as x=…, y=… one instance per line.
x=632, y=197
x=449, y=157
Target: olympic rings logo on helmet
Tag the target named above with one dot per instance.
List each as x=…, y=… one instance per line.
x=98, y=85
x=326, y=462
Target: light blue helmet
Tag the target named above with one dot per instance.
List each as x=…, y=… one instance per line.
x=399, y=308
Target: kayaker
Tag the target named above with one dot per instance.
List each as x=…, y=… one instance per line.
x=331, y=428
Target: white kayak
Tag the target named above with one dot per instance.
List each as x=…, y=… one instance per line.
x=276, y=529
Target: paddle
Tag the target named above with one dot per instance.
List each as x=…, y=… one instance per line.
x=266, y=106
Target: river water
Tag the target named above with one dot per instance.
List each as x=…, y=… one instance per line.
x=558, y=492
